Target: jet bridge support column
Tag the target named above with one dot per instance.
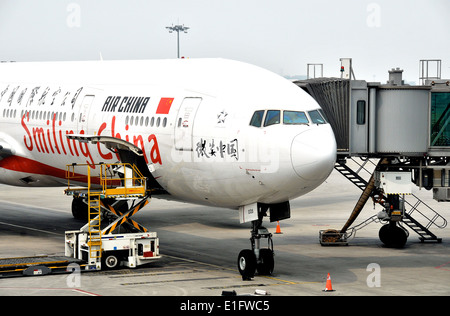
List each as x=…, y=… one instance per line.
x=333, y=236
x=389, y=184
x=391, y=234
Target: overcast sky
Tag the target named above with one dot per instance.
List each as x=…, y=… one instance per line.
x=280, y=35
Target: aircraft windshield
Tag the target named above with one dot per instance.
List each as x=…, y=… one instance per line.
x=316, y=117
x=272, y=117
x=294, y=117
x=257, y=119
x=323, y=115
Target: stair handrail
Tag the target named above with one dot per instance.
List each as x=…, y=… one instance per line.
x=351, y=232
x=363, y=165
x=414, y=208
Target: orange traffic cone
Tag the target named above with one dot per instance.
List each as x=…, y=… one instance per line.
x=278, y=231
x=328, y=286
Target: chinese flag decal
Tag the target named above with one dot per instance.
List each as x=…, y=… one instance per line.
x=164, y=106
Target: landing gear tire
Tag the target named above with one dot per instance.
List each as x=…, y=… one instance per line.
x=393, y=236
x=80, y=209
x=257, y=259
x=247, y=264
x=266, y=263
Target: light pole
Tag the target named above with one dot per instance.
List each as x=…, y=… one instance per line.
x=178, y=29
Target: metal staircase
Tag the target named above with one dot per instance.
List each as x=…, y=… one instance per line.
x=352, y=176
x=422, y=230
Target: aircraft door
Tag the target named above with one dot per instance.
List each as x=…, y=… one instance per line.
x=82, y=123
x=185, y=123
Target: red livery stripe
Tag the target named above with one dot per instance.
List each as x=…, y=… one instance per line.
x=22, y=164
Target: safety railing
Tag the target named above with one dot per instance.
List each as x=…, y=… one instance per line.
x=112, y=180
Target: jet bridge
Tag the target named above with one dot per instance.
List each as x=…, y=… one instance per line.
x=403, y=127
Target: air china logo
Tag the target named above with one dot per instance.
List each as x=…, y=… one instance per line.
x=52, y=140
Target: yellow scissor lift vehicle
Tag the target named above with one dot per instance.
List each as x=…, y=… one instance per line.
x=102, y=242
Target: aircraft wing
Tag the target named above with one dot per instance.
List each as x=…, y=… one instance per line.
x=5, y=149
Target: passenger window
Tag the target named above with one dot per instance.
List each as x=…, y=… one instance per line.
x=257, y=119
x=316, y=118
x=272, y=117
x=294, y=117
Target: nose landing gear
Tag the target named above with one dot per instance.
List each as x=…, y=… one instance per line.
x=257, y=259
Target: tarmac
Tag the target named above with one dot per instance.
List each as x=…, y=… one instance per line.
x=200, y=246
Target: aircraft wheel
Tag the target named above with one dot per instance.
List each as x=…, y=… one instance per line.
x=265, y=267
x=393, y=236
x=80, y=209
x=247, y=264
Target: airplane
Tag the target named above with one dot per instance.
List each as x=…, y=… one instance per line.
x=207, y=131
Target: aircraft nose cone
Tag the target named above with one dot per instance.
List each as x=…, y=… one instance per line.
x=313, y=153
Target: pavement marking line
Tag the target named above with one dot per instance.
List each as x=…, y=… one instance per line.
x=235, y=286
x=35, y=206
x=153, y=274
x=276, y=279
x=85, y=292
x=234, y=270
x=48, y=289
x=173, y=281
x=202, y=263
x=29, y=228
x=441, y=267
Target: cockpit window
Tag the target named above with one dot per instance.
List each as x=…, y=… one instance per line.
x=257, y=119
x=323, y=115
x=272, y=117
x=316, y=118
x=294, y=117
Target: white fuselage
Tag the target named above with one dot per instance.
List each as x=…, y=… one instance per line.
x=192, y=118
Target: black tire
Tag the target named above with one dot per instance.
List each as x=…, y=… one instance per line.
x=399, y=238
x=80, y=209
x=267, y=262
x=110, y=261
x=247, y=264
x=383, y=234
x=393, y=236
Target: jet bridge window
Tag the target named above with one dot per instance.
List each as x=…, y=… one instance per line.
x=257, y=119
x=272, y=117
x=439, y=120
x=316, y=118
x=294, y=117
x=361, y=112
